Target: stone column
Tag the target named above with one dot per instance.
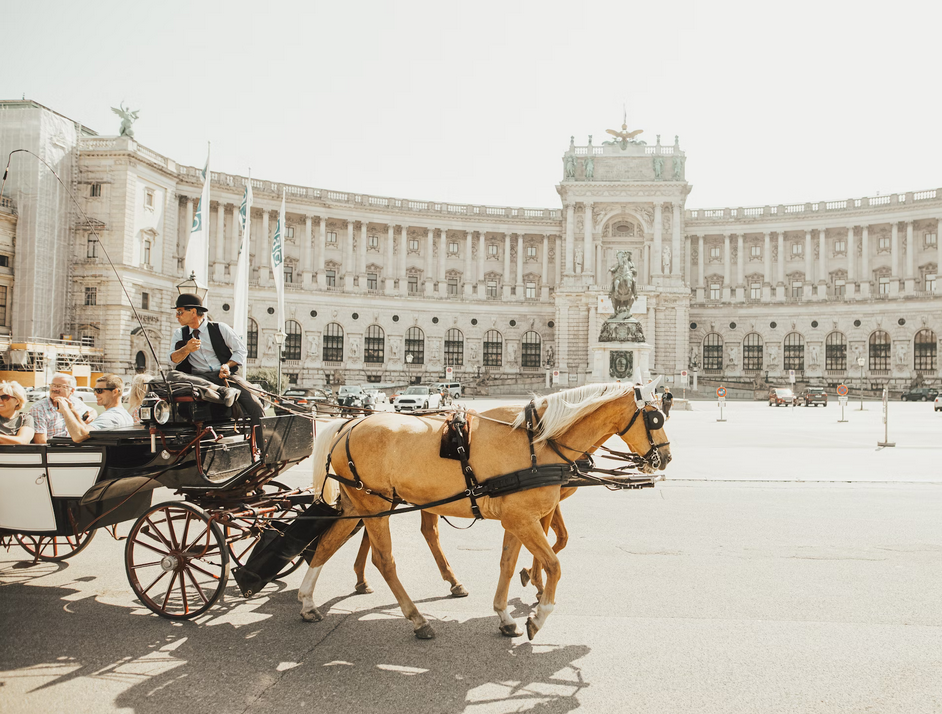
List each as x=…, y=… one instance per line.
x=727, y=269
x=588, y=265
x=184, y=238
x=544, y=272
x=558, y=262
x=234, y=241
x=263, y=249
x=688, y=276
x=740, y=269
x=822, y=263
x=429, y=262
x=321, y=252
x=865, y=276
x=910, y=260
x=442, y=255
x=780, y=287
x=658, y=228
x=361, y=256
x=468, y=264
x=307, y=254
x=403, y=252
x=851, y=261
x=938, y=257
x=482, y=251
x=520, y=289
x=809, y=264
x=701, y=277
x=675, y=239
x=895, y=268
x=570, y=239
x=389, y=269
x=505, y=279
x=348, y=263
x=767, y=281
x=218, y=252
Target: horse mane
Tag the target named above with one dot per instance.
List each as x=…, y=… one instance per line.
x=565, y=408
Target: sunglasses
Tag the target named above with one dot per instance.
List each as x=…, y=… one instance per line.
x=99, y=390
x=6, y=397
x=184, y=311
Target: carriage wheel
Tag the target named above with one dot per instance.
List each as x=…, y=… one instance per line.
x=176, y=560
x=240, y=550
x=54, y=548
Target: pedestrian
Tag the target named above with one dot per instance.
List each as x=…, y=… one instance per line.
x=667, y=401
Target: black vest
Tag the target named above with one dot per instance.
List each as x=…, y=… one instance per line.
x=223, y=353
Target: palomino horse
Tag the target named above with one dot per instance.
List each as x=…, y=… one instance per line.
x=387, y=456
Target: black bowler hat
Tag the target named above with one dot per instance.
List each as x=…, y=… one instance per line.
x=187, y=300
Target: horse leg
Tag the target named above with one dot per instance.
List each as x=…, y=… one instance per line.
x=508, y=561
x=378, y=528
x=359, y=565
x=329, y=543
x=430, y=531
x=531, y=535
x=533, y=573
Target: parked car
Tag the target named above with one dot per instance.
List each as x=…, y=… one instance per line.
x=307, y=398
x=782, y=397
x=454, y=388
x=36, y=394
x=815, y=396
x=937, y=405
x=920, y=394
x=380, y=402
x=86, y=394
x=350, y=396
x=418, y=396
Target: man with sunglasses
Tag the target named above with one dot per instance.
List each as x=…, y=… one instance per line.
x=211, y=350
x=108, y=395
x=46, y=417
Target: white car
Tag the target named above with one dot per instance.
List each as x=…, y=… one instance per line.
x=937, y=405
x=86, y=394
x=417, y=397
x=37, y=394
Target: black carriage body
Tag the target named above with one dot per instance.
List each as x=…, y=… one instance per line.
x=62, y=488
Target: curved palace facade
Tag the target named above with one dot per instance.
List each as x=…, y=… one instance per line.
x=391, y=289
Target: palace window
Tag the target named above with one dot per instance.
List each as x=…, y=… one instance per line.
x=491, y=288
x=3, y=305
x=333, y=343
x=930, y=283
x=531, y=291
x=414, y=244
x=145, y=301
x=331, y=238
x=4, y=261
x=797, y=289
x=492, y=250
x=756, y=251
x=289, y=274
x=372, y=280
x=713, y=353
x=289, y=232
x=413, y=284
x=330, y=278
x=454, y=348
x=714, y=252
x=148, y=198
x=88, y=340
x=794, y=351
x=292, y=348
x=752, y=352
x=91, y=296
x=755, y=291
x=145, y=253
x=95, y=190
x=493, y=348
x=884, y=286
x=452, y=286
x=453, y=248
x=835, y=352
x=415, y=345
x=924, y=351
x=373, y=242
x=251, y=339
x=91, y=248
x=797, y=249
x=531, y=251
x=931, y=240
x=532, y=349
x=374, y=345
x=715, y=291
x=840, y=288
x=292, y=377
x=879, y=351
x=840, y=246
x=883, y=243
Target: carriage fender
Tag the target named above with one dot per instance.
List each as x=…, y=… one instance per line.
x=118, y=488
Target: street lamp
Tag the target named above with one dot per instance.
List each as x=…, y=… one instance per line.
x=192, y=286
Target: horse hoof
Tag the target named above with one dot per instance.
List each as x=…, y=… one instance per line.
x=511, y=630
x=524, y=577
x=312, y=615
x=363, y=589
x=459, y=590
x=532, y=629
x=425, y=632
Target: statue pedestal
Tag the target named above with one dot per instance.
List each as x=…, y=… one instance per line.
x=611, y=360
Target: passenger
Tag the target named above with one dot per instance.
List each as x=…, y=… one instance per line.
x=48, y=421
x=211, y=350
x=15, y=427
x=108, y=389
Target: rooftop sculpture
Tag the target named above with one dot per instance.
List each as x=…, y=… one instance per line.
x=127, y=118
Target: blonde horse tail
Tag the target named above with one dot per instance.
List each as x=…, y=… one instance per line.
x=326, y=488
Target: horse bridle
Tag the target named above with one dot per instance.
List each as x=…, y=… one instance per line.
x=653, y=420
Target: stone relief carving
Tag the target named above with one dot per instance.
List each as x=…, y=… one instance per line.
x=394, y=346
x=658, y=167
x=901, y=349
x=570, y=166
x=666, y=259
x=511, y=353
x=311, y=346
x=733, y=355
x=813, y=361
x=773, y=355
x=589, y=169
x=355, y=348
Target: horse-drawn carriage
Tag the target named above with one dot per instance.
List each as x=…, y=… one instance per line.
x=55, y=496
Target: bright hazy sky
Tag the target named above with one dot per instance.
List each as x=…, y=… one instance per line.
x=474, y=102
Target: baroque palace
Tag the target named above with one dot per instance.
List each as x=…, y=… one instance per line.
x=393, y=290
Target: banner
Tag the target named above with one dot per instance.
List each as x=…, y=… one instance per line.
x=196, y=261
x=240, y=318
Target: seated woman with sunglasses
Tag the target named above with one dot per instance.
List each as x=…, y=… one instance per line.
x=108, y=395
x=15, y=427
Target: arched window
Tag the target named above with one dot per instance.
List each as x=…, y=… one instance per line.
x=532, y=349
x=140, y=362
x=493, y=348
x=251, y=339
x=879, y=351
x=924, y=351
x=333, y=343
x=374, y=345
x=835, y=352
x=292, y=341
x=752, y=352
x=794, y=352
x=454, y=348
x=415, y=346
x=713, y=353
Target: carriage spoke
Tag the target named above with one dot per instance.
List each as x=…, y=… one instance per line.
x=153, y=548
x=199, y=590
x=186, y=603
x=173, y=579
x=198, y=569
x=170, y=529
x=154, y=582
x=145, y=565
x=154, y=531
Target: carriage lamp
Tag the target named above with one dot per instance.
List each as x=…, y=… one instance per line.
x=155, y=410
x=192, y=286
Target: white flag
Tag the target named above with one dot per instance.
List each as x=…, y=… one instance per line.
x=278, y=263
x=196, y=261
x=241, y=283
